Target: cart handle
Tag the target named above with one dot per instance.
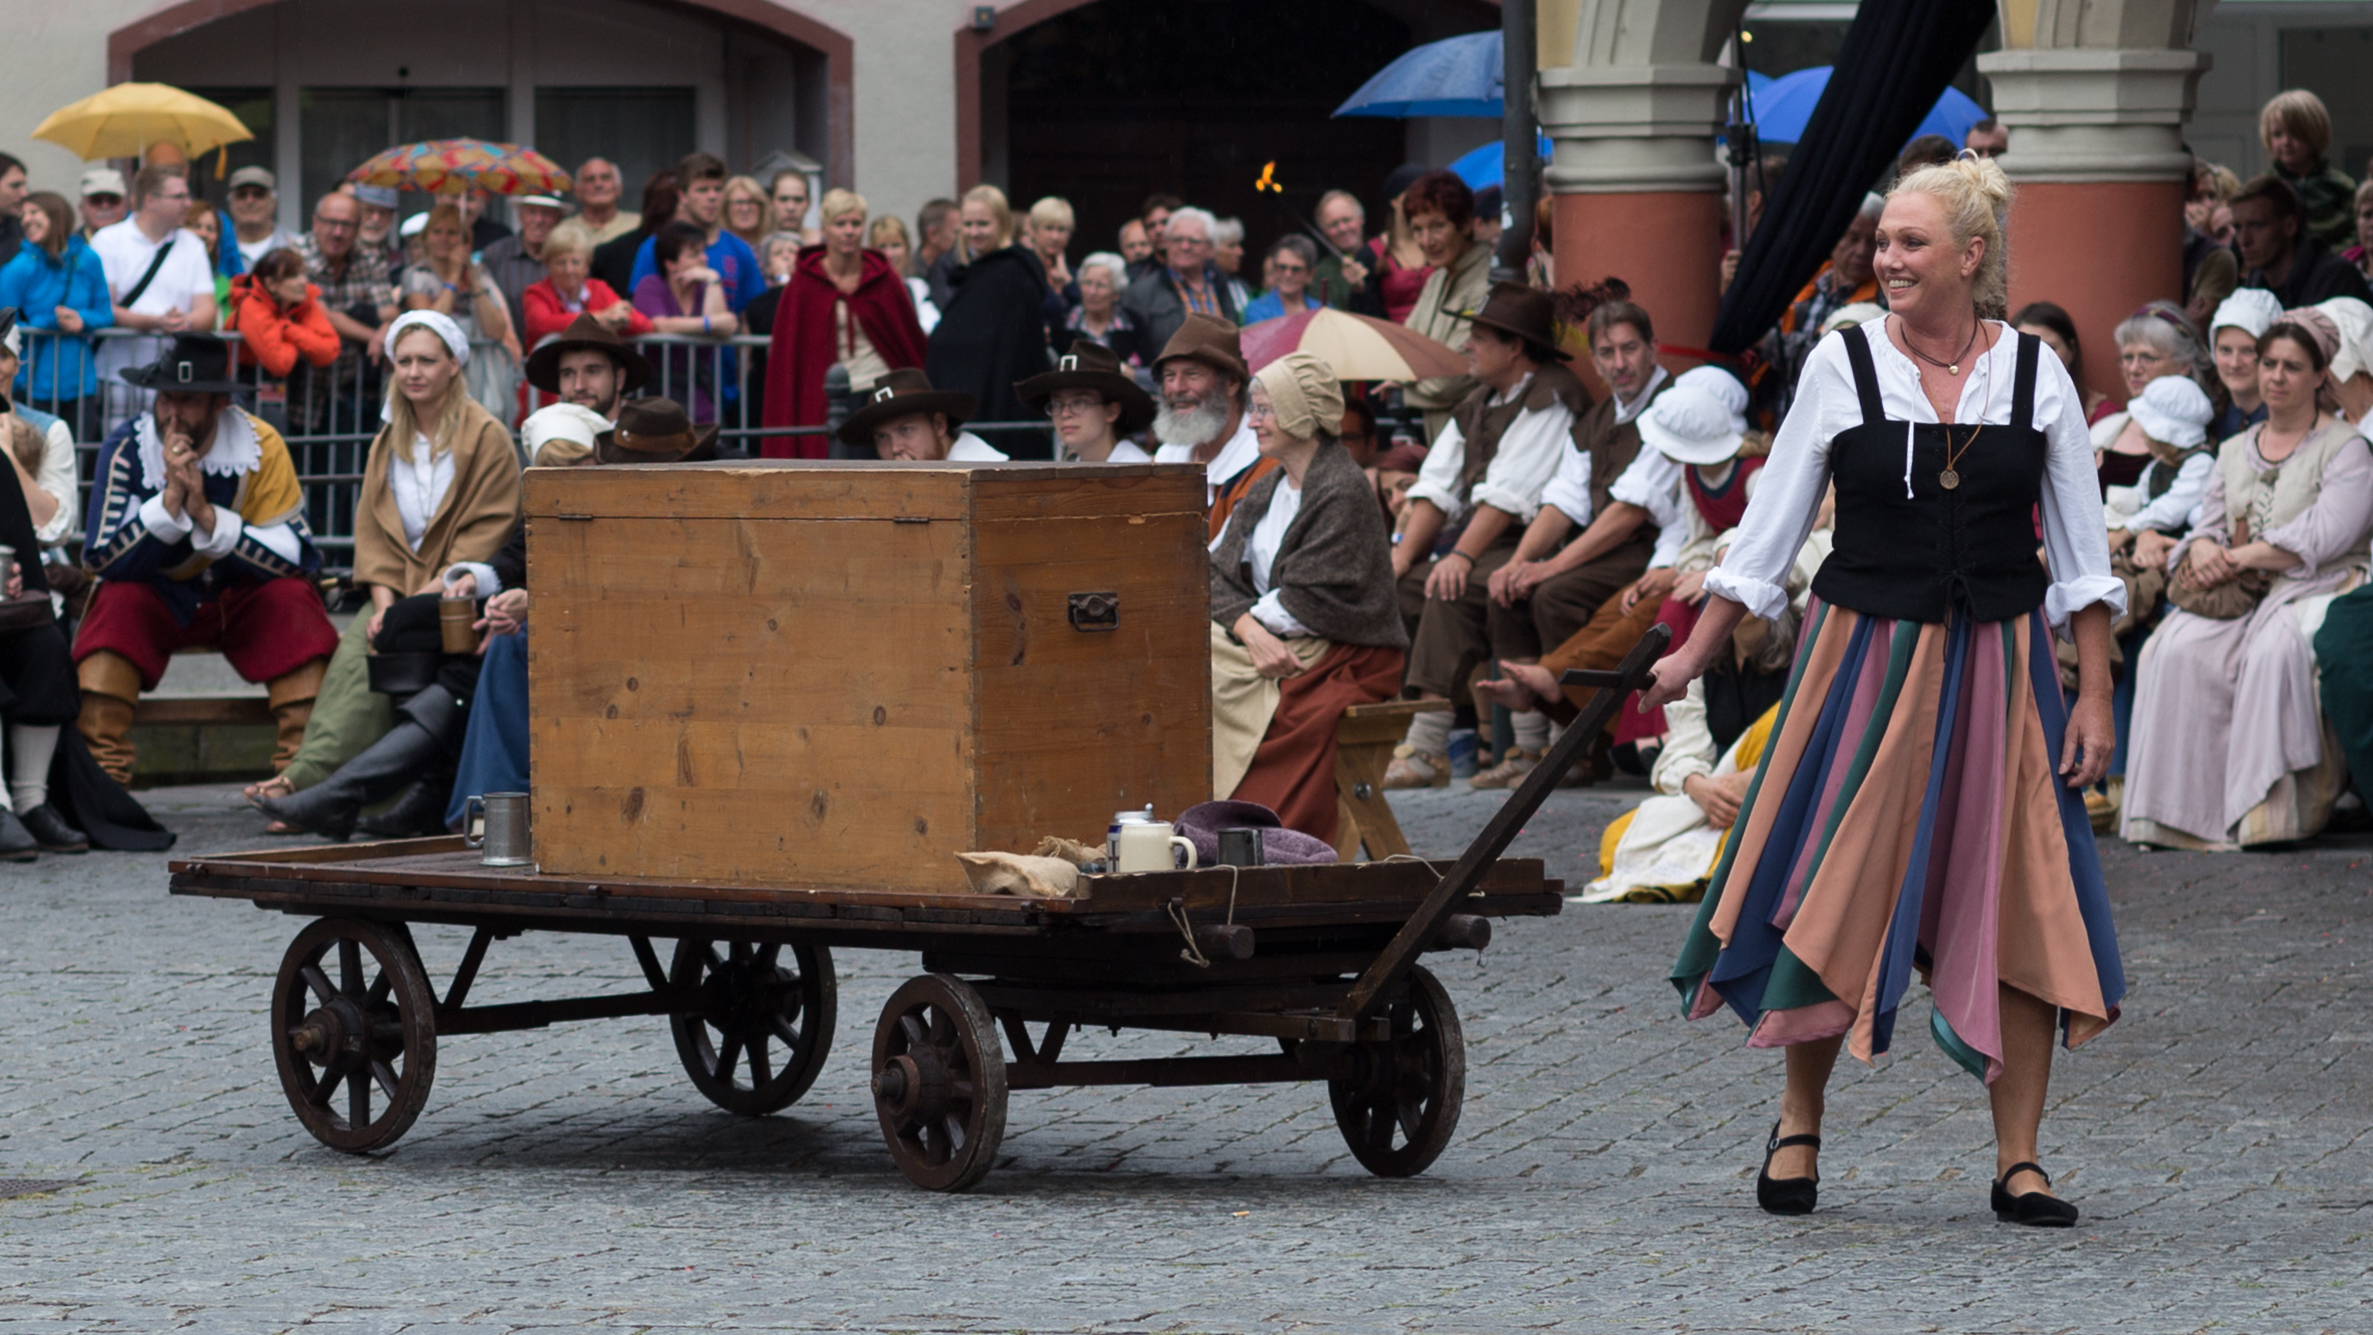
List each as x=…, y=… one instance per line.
x=1384, y=975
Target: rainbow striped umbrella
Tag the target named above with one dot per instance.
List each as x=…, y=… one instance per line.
x=1359, y=347
x=450, y=166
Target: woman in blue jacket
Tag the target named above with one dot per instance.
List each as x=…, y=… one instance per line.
x=60, y=291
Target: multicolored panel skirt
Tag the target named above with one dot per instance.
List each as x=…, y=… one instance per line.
x=1908, y=818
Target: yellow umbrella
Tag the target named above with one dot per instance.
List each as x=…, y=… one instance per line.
x=123, y=121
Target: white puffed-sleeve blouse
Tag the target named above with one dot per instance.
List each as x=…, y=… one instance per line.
x=1788, y=495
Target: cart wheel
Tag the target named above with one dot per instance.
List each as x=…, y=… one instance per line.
x=939, y=1082
x=1401, y=1105
x=764, y=1023
x=368, y=1027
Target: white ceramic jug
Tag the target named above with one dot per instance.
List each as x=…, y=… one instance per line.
x=1150, y=846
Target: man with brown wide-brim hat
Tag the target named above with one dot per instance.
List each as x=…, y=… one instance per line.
x=589, y=366
x=655, y=431
x=905, y=419
x=1094, y=404
x=1203, y=375
x=1487, y=471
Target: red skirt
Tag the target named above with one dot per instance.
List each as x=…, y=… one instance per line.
x=1293, y=772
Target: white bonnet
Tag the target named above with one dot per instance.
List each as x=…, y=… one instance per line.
x=2250, y=309
x=436, y=322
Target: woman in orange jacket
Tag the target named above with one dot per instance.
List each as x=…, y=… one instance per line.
x=279, y=317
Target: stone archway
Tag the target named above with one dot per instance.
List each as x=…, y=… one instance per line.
x=2095, y=92
x=837, y=49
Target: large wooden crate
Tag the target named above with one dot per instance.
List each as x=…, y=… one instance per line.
x=846, y=673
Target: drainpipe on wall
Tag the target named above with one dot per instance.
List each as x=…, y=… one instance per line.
x=1520, y=181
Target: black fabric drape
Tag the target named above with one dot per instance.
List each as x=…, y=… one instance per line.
x=83, y=793
x=1898, y=57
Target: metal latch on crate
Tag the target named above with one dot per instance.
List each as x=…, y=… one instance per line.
x=1095, y=611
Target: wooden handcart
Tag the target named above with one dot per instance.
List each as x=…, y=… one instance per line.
x=1321, y=959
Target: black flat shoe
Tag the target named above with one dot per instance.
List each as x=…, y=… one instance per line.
x=2032, y=1208
x=1786, y=1195
x=50, y=830
x=16, y=842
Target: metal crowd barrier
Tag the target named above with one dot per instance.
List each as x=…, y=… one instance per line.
x=329, y=416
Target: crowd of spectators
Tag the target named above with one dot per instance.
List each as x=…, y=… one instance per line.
x=1460, y=538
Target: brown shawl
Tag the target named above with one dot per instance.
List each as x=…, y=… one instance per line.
x=471, y=522
x=1334, y=570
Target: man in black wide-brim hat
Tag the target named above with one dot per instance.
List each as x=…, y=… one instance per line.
x=197, y=533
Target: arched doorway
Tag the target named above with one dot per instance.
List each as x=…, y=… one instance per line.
x=1106, y=102
x=646, y=80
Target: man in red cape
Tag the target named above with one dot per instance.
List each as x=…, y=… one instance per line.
x=806, y=343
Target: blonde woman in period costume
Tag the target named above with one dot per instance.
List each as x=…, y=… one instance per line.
x=1917, y=809
x=1303, y=618
x=441, y=486
x=2229, y=746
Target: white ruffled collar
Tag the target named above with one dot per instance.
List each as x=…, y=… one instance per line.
x=237, y=449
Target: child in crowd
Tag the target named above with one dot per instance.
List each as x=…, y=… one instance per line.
x=279, y=318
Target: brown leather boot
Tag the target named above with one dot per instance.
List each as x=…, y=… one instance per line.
x=292, y=708
x=110, y=693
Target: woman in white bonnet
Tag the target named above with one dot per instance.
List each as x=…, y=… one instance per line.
x=1304, y=621
x=2229, y=748
x=2233, y=341
x=440, y=486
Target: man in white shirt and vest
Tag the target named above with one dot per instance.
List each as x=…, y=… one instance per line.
x=1485, y=474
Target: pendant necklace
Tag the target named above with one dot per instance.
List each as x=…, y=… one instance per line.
x=1951, y=476
x=1954, y=366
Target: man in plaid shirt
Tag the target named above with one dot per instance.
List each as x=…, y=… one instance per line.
x=358, y=295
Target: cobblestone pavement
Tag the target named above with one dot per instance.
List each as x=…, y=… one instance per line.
x=1601, y=1180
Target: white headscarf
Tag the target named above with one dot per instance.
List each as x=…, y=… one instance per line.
x=562, y=421
x=436, y=322
x=2253, y=310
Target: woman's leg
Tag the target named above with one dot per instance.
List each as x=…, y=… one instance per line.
x=2018, y=1093
x=1802, y=1103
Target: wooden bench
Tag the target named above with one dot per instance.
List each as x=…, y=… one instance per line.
x=1364, y=740
x=201, y=710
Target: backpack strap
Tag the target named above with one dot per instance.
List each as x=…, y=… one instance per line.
x=1866, y=375
x=2022, y=392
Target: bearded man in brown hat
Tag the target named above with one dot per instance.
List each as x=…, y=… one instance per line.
x=1484, y=474
x=1201, y=419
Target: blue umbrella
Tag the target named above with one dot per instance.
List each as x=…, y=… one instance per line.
x=1458, y=76
x=1784, y=107
x=1487, y=165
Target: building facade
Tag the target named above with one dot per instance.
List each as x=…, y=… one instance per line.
x=1105, y=101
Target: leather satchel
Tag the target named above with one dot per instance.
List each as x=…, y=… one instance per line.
x=2229, y=601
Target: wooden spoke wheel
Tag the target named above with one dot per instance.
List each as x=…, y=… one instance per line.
x=1400, y=1105
x=939, y=1082
x=762, y=1021
x=354, y=1032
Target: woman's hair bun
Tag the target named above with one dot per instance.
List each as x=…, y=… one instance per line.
x=1975, y=196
